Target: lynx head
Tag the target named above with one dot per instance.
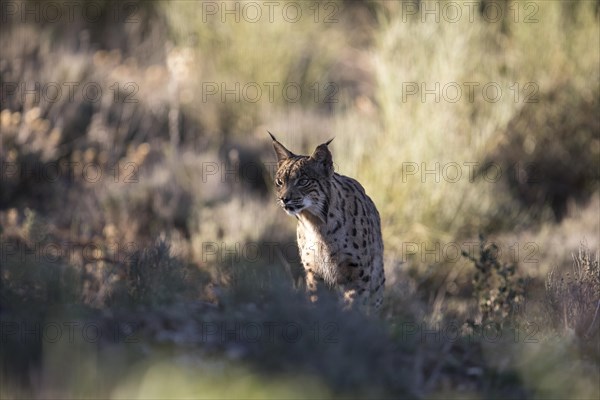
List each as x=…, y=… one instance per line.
x=303, y=182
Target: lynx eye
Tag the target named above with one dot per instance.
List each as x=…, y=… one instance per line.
x=278, y=182
x=302, y=182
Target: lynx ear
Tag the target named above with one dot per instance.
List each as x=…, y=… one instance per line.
x=281, y=152
x=323, y=157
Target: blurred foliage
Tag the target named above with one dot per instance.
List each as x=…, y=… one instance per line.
x=550, y=152
x=154, y=277
x=495, y=286
x=431, y=131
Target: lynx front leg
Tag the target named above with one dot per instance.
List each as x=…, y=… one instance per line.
x=355, y=297
x=311, y=285
x=352, y=281
x=349, y=297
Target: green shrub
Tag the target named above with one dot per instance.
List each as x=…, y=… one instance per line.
x=496, y=287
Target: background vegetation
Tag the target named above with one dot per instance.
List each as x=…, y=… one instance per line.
x=137, y=213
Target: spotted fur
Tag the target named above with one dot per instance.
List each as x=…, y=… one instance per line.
x=339, y=229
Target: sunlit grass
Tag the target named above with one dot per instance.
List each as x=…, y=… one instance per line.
x=211, y=380
x=419, y=154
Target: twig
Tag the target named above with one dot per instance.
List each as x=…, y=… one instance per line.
x=435, y=373
x=589, y=331
x=286, y=264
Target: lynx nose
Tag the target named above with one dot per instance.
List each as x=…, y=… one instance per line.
x=285, y=199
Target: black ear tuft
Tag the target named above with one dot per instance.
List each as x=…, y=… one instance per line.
x=280, y=150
